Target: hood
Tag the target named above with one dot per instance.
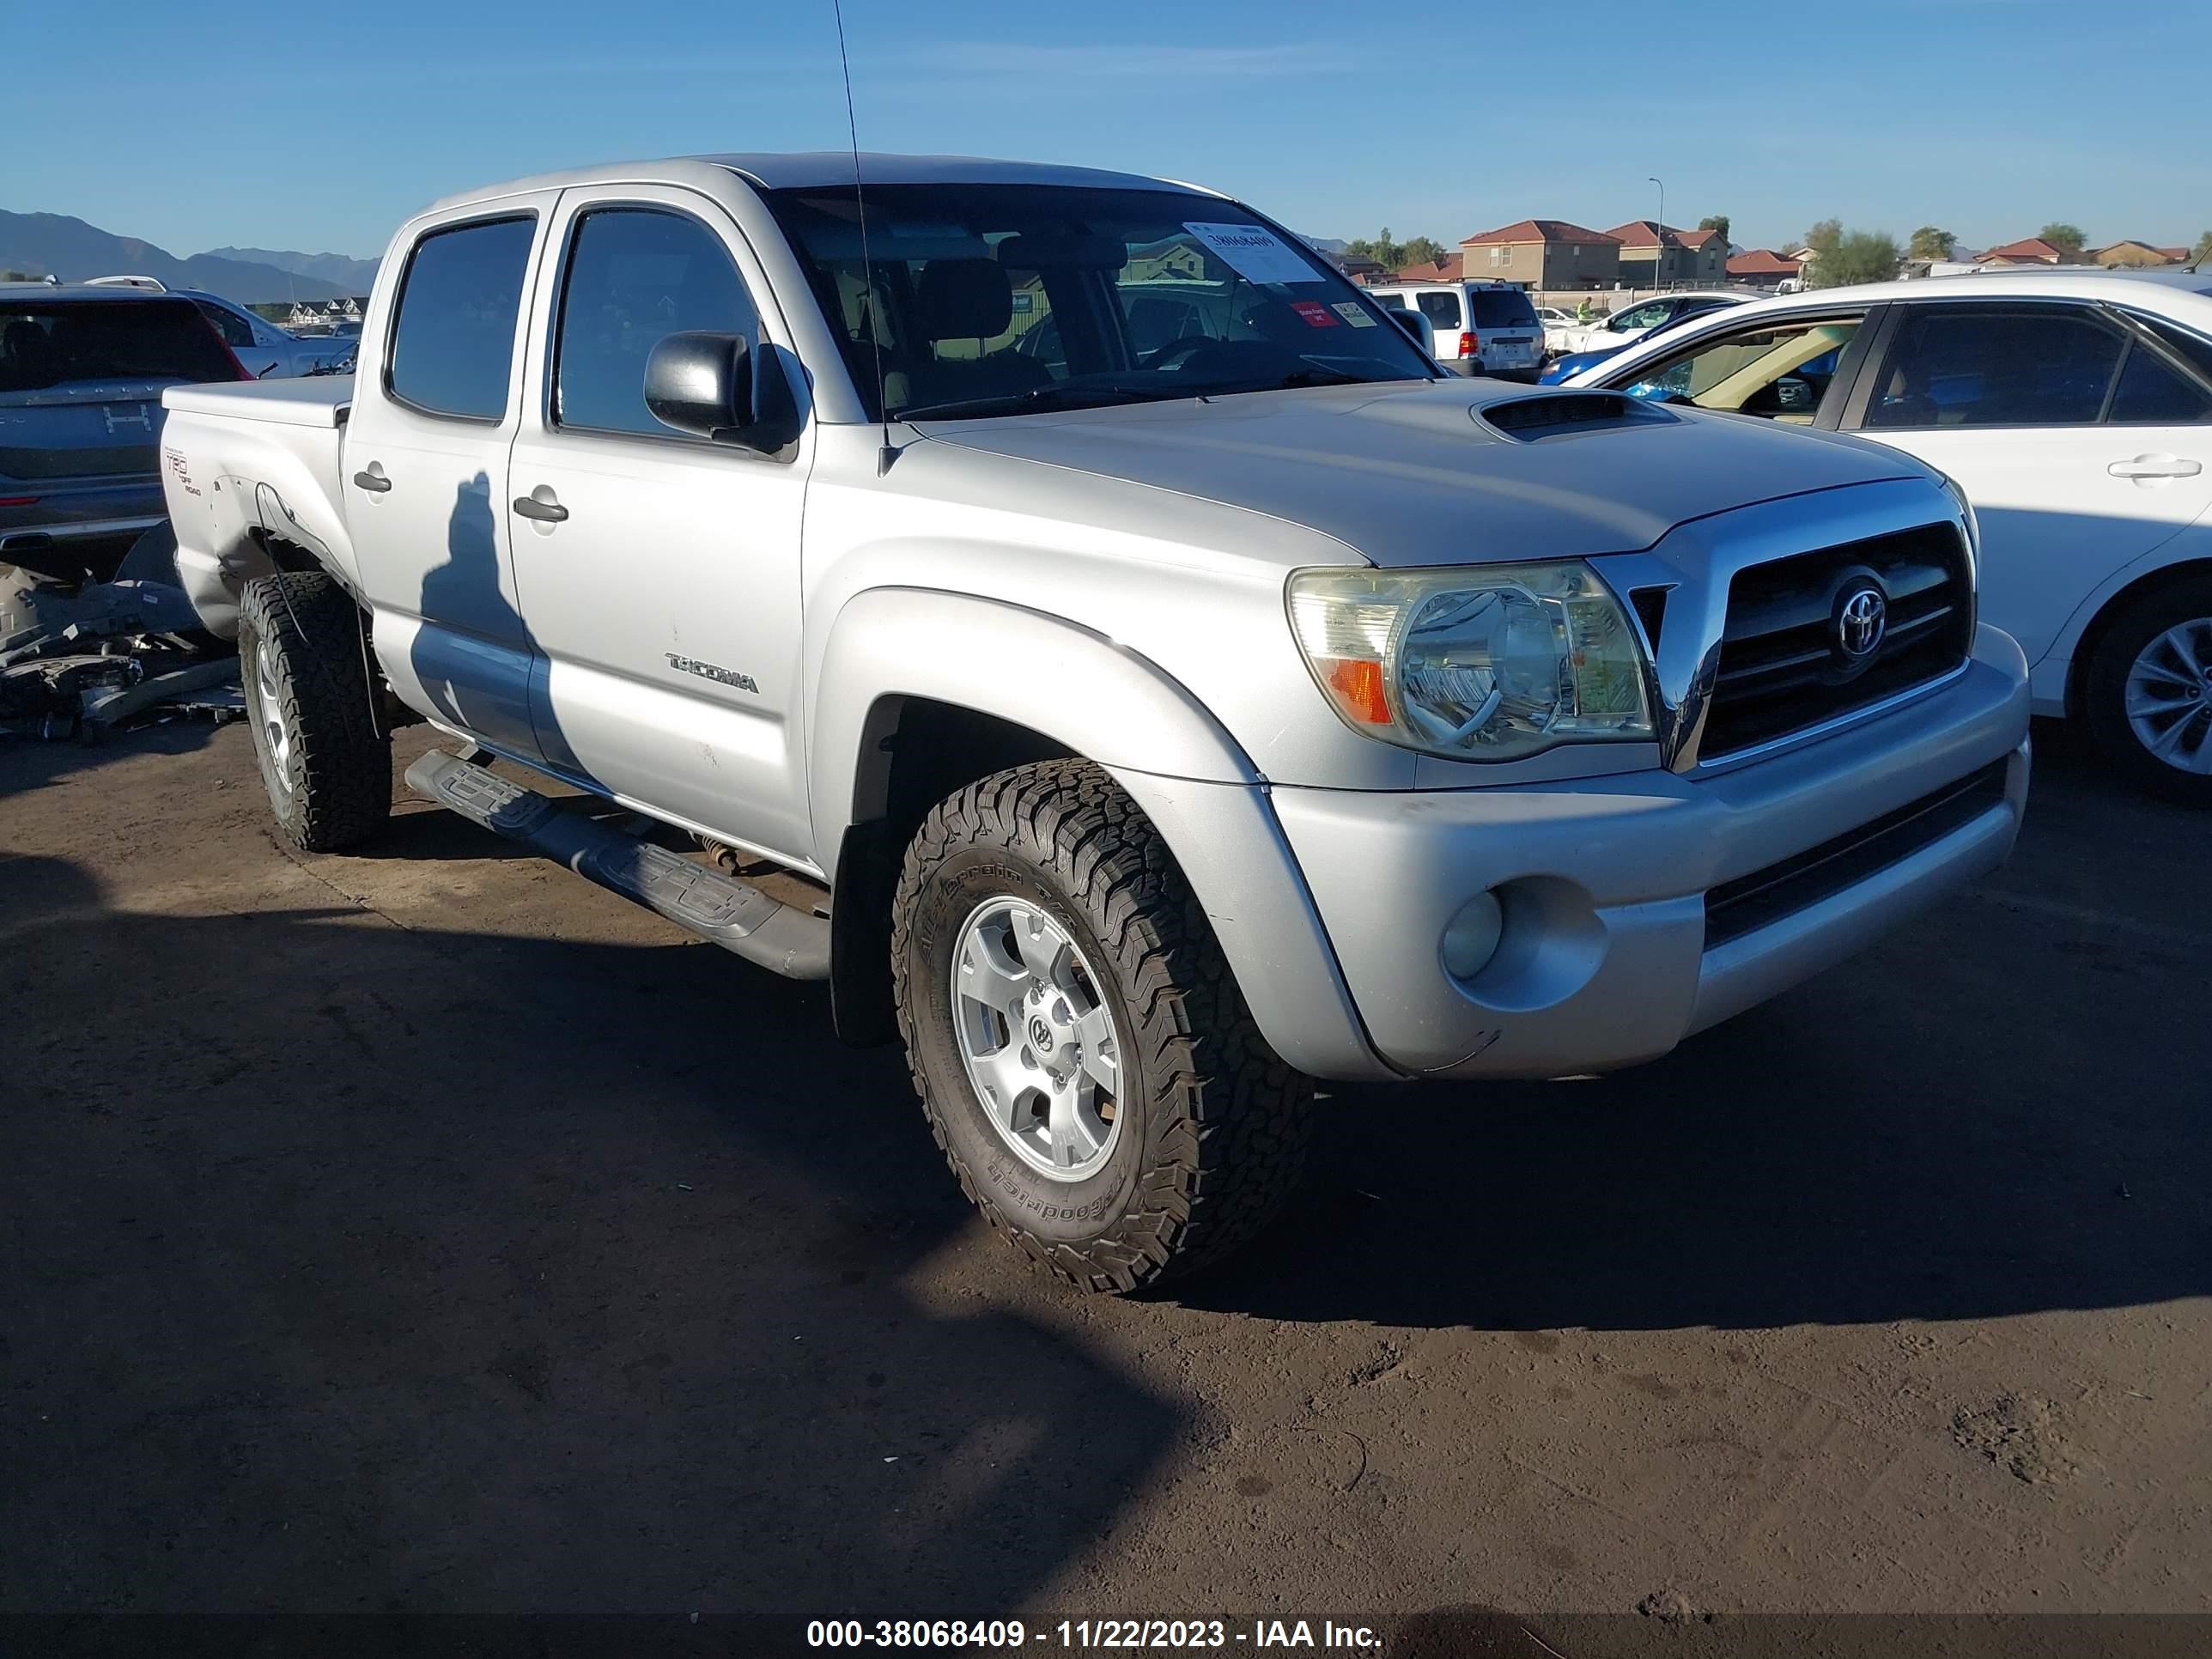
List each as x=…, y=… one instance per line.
x=1427, y=473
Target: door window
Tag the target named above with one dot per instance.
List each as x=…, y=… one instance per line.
x=1441, y=307
x=2154, y=392
x=635, y=275
x=1782, y=371
x=452, y=342
x=1642, y=316
x=1981, y=366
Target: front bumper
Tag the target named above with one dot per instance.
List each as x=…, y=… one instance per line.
x=1605, y=961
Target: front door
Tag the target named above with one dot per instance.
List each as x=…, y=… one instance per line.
x=2082, y=446
x=659, y=571
x=425, y=474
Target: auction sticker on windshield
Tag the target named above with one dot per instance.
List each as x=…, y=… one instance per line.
x=1256, y=254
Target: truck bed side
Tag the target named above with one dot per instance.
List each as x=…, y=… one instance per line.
x=259, y=456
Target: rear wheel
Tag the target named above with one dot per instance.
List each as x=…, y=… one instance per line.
x=325, y=762
x=2148, y=694
x=1080, y=1048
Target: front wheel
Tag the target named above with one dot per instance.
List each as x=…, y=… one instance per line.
x=1084, y=1058
x=2148, y=694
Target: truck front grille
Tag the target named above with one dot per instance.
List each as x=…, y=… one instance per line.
x=1783, y=664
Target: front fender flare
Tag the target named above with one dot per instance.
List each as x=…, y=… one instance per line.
x=1122, y=711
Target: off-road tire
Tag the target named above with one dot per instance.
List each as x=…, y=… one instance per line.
x=334, y=788
x=1220, y=1125
x=2104, y=690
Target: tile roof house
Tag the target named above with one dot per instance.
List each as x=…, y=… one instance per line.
x=2030, y=250
x=1544, y=253
x=2131, y=254
x=1449, y=269
x=1653, y=255
x=1762, y=267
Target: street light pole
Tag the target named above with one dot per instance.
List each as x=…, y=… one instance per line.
x=1659, y=248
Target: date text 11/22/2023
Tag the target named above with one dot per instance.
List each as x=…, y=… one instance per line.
x=1089, y=1634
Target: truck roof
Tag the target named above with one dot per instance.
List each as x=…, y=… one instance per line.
x=808, y=169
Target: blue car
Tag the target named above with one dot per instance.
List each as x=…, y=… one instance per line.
x=1650, y=317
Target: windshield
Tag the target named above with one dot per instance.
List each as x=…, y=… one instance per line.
x=998, y=299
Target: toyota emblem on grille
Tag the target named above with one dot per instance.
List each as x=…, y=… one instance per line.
x=1860, y=621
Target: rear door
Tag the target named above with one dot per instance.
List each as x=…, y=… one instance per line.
x=2083, y=441
x=664, y=597
x=426, y=465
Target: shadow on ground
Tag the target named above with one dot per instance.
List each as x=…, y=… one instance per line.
x=2005, y=1108
x=476, y=1273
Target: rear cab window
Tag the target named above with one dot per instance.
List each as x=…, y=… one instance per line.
x=453, y=333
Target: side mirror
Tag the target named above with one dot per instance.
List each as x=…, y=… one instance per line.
x=715, y=387
x=1415, y=324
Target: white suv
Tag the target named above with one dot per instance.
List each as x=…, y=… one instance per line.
x=2075, y=412
x=1481, y=328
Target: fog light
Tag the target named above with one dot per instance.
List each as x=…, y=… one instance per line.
x=1471, y=937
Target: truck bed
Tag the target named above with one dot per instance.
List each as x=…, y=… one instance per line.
x=259, y=456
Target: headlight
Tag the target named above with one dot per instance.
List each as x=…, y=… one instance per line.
x=1489, y=663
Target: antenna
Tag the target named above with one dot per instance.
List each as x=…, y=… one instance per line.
x=886, y=455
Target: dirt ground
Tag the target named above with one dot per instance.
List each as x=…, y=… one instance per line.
x=431, y=1231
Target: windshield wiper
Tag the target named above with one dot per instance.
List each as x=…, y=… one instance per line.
x=1060, y=394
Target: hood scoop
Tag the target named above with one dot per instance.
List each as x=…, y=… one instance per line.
x=1526, y=420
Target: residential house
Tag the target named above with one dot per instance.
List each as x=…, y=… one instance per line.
x=1360, y=271
x=1542, y=254
x=2134, y=256
x=1653, y=255
x=1450, y=269
x=1762, y=267
x=2031, y=251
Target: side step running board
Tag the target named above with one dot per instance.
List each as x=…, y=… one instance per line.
x=726, y=912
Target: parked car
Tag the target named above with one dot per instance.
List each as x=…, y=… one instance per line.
x=82, y=373
x=1558, y=327
x=1606, y=334
x=267, y=351
x=2075, y=412
x=1563, y=369
x=1479, y=328
x=1141, y=734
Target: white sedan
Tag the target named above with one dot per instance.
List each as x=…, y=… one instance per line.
x=2074, y=411
x=1559, y=328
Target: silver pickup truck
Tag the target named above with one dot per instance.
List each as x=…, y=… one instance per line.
x=1150, y=682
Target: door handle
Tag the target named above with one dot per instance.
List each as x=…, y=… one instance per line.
x=541, y=507
x=373, y=480
x=2155, y=466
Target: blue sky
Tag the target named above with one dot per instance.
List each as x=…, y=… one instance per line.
x=196, y=127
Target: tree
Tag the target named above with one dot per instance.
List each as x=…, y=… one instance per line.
x=1841, y=257
x=1385, y=252
x=2067, y=239
x=1422, y=250
x=2204, y=248
x=1931, y=243
x=1718, y=221
x=12, y=275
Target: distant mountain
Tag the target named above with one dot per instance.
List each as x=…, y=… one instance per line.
x=354, y=275
x=53, y=244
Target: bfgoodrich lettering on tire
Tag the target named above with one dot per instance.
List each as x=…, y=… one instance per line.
x=325, y=761
x=1080, y=1045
